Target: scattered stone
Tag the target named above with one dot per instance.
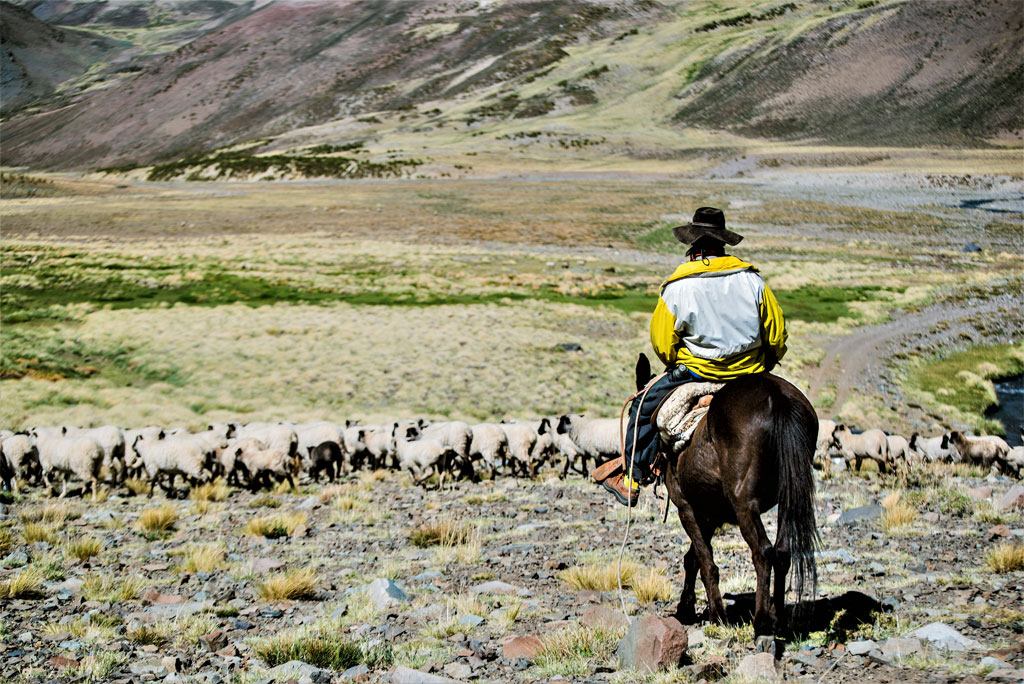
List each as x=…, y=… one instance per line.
x=805, y=658
x=568, y=347
x=260, y=566
x=1012, y=500
x=471, y=620
x=15, y=559
x=603, y=616
x=458, y=670
x=228, y=651
x=152, y=669
x=758, y=666
x=994, y=663
x=1005, y=675
x=356, y=674
x=711, y=670
x=931, y=517
x=385, y=593
x=652, y=643
x=98, y=517
x=943, y=636
x=840, y=555
x=214, y=641
x=861, y=514
x=860, y=647
x=172, y=663
x=60, y=662
x=302, y=673
x=521, y=647
x=979, y=493
x=427, y=576
x=999, y=531
x=154, y=596
x=494, y=587
x=970, y=247
x=403, y=675
x=900, y=646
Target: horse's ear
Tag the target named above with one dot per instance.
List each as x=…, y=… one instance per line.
x=643, y=371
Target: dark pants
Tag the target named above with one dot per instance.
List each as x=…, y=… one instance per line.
x=647, y=434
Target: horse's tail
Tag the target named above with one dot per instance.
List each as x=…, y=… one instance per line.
x=794, y=435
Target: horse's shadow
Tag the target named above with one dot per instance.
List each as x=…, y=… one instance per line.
x=843, y=613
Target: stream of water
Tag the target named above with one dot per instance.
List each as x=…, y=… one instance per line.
x=1011, y=408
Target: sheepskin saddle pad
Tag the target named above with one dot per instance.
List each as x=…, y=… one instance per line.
x=676, y=418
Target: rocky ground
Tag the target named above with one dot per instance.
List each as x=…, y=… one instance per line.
x=495, y=601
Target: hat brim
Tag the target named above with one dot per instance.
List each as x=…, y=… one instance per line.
x=690, y=233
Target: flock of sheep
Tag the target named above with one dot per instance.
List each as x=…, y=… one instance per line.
x=896, y=452
x=258, y=454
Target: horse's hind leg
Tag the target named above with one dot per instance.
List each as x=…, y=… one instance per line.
x=686, y=610
x=700, y=545
x=764, y=556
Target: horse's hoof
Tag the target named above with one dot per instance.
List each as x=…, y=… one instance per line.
x=765, y=644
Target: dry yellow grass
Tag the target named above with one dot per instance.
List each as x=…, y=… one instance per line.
x=289, y=586
x=54, y=514
x=898, y=515
x=600, y=576
x=442, y=531
x=331, y=491
x=37, y=532
x=276, y=526
x=203, y=558
x=466, y=552
x=158, y=519
x=97, y=587
x=27, y=584
x=1008, y=557
x=652, y=586
x=83, y=548
x=218, y=490
x=137, y=486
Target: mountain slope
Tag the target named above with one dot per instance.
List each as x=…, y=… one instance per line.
x=598, y=78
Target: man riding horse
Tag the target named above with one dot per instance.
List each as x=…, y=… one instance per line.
x=716, y=320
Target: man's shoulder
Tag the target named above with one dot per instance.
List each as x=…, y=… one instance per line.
x=724, y=265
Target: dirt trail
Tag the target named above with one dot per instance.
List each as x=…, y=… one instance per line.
x=861, y=362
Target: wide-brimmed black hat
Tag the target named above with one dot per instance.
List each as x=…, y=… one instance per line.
x=707, y=221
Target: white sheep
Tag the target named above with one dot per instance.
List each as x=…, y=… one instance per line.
x=521, y=440
x=870, y=444
x=594, y=438
x=824, y=446
x=457, y=436
x=228, y=458
x=420, y=457
x=275, y=435
x=373, y=445
x=987, y=451
x=172, y=456
x=933, y=449
x=80, y=456
x=489, y=445
x=314, y=434
x=261, y=466
x=1015, y=461
x=111, y=440
x=900, y=451
x=22, y=457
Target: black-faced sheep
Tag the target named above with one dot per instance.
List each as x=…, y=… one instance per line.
x=420, y=457
x=171, y=456
x=594, y=438
x=80, y=456
x=22, y=457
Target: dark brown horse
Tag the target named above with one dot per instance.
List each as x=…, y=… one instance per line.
x=752, y=450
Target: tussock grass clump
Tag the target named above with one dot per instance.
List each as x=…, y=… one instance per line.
x=467, y=552
x=97, y=587
x=331, y=491
x=97, y=667
x=154, y=634
x=37, y=532
x=264, y=502
x=652, y=586
x=599, y=577
x=1008, y=557
x=158, y=520
x=84, y=548
x=27, y=584
x=276, y=526
x=190, y=627
x=289, y=586
x=321, y=646
x=202, y=558
x=443, y=531
x=51, y=564
x=347, y=503
x=6, y=541
x=898, y=515
x=570, y=651
x=218, y=490
x=137, y=486
x=51, y=514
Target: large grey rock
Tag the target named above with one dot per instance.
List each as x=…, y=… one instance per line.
x=15, y=559
x=899, y=647
x=837, y=555
x=652, y=643
x=303, y=673
x=1012, y=500
x=861, y=514
x=860, y=647
x=758, y=666
x=403, y=675
x=385, y=593
x=494, y=587
x=943, y=636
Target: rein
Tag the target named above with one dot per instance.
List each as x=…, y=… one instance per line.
x=632, y=459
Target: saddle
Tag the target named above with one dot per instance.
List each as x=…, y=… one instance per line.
x=679, y=413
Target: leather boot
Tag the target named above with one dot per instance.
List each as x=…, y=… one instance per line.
x=606, y=470
x=625, y=489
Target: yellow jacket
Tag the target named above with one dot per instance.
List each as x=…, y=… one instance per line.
x=718, y=318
